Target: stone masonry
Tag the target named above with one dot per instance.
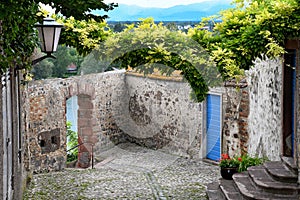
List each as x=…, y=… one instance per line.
x=117, y=107
x=265, y=90
x=113, y=108
x=235, y=126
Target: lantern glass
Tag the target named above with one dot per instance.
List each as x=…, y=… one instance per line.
x=49, y=33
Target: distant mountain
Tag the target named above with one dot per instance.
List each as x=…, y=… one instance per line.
x=191, y=12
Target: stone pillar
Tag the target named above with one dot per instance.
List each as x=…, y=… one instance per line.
x=85, y=130
x=235, y=129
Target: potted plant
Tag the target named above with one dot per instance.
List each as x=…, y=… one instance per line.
x=247, y=161
x=229, y=166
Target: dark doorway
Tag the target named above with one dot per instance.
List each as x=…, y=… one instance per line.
x=288, y=111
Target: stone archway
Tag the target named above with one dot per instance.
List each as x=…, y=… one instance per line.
x=86, y=139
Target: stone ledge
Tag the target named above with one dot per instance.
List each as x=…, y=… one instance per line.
x=213, y=192
x=229, y=189
x=279, y=172
x=263, y=180
x=250, y=191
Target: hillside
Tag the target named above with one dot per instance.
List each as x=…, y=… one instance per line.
x=191, y=12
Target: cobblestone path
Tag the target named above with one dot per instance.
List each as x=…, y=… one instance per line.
x=128, y=172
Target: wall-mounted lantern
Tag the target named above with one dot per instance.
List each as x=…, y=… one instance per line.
x=49, y=33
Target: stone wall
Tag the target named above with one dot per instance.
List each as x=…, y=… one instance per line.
x=264, y=121
x=235, y=126
x=112, y=108
x=45, y=118
x=118, y=107
x=252, y=119
x=160, y=115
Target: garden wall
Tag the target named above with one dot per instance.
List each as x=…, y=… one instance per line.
x=159, y=114
x=113, y=107
x=265, y=90
x=155, y=112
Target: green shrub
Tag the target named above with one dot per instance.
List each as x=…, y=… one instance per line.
x=72, y=141
x=247, y=161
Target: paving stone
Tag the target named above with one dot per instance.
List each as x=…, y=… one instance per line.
x=128, y=172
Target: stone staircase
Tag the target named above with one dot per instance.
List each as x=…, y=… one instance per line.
x=272, y=180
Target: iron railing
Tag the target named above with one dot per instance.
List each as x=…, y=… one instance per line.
x=92, y=156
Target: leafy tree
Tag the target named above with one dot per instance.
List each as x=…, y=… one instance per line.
x=57, y=67
x=149, y=44
x=172, y=26
x=84, y=35
x=17, y=19
x=91, y=64
x=252, y=29
x=43, y=69
x=119, y=27
x=64, y=57
x=80, y=9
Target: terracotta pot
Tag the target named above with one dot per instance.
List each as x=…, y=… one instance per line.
x=227, y=172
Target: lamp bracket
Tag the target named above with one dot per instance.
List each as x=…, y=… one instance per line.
x=48, y=55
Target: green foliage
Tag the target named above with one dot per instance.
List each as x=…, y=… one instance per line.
x=91, y=64
x=17, y=40
x=57, y=67
x=64, y=57
x=226, y=161
x=72, y=138
x=17, y=34
x=84, y=35
x=149, y=44
x=247, y=161
x=81, y=9
x=252, y=29
x=43, y=69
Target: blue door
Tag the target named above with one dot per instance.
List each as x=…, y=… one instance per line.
x=213, y=127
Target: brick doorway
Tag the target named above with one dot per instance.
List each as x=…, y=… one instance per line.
x=79, y=113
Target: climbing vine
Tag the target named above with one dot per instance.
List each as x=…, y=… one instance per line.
x=252, y=29
x=149, y=44
x=17, y=39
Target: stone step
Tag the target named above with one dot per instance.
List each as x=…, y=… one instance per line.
x=229, y=190
x=249, y=190
x=280, y=172
x=289, y=162
x=264, y=181
x=214, y=192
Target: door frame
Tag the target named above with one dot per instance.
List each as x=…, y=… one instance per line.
x=203, y=151
x=289, y=105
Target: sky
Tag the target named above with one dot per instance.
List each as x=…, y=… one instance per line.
x=156, y=3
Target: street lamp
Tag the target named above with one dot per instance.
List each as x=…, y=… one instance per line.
x=49, y=32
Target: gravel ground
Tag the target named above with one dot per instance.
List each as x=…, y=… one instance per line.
x=128, y=172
